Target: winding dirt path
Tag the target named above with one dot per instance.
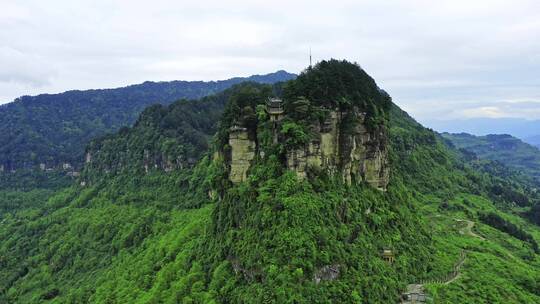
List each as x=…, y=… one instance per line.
x=468, y=229
x=457, y=268
x=415, y=292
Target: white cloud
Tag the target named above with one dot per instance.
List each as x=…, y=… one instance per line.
x=489, y=112
x=529, y=110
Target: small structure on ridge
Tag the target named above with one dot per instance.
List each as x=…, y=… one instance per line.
x=388, y=256
x=274, y=108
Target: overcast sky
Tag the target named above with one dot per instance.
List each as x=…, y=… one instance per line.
x=439, y=60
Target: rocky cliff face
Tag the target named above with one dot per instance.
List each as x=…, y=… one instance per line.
x=242, y=153
x=358, y=155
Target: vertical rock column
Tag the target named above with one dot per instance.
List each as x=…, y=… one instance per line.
x=242, y=153
x=368, y=159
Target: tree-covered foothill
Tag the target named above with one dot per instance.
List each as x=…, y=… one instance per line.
x=82, y=239
x=498, y=222
x=503, y=148
x=515, y=164
x=164, y=138
x=29, y=179
x=53, y=129
x=534, y=214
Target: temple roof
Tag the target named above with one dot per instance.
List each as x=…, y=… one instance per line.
x=274, y=103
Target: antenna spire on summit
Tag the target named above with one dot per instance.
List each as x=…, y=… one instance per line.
x=309, y=57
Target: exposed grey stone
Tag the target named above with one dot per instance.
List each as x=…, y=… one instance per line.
x=326, y=273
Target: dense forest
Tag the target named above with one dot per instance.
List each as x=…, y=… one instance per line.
x=156, y=218
x=53, y=129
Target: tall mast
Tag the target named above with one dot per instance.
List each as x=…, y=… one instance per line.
x=310, y=57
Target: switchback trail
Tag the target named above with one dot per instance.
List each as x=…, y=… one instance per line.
x=415, y=292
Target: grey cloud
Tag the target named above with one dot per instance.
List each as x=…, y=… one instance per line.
x=20, y=68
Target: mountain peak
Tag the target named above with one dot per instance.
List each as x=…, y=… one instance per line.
x=332, y=118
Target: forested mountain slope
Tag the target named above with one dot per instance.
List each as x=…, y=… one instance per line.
x=294, y=205
x=53, y=129
x=533, y=140
x=504, y=148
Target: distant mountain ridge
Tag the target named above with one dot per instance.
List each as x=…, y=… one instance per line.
x=507, y=149
x=533, y=140
x=51, y=130
x=526, y=130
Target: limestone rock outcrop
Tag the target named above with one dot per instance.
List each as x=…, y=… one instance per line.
x=88, y=158
x=327, y=273
x=242, y=153
x=341, y=145
x=358, y=154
